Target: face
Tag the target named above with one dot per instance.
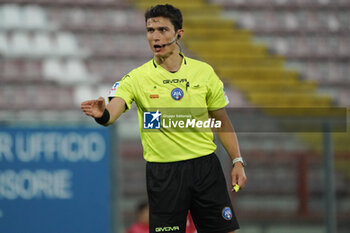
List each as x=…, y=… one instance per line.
x=161, y=31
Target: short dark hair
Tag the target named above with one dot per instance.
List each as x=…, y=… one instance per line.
x=166, y=11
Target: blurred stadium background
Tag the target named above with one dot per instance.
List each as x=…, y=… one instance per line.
x=269, y=53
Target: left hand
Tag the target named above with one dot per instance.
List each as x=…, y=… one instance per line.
x=238, y=175
x=94, y=108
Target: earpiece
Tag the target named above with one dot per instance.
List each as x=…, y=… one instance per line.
x=178, y=36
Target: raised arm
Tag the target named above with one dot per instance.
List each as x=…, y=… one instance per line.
x=97, y=109
x=228, y=139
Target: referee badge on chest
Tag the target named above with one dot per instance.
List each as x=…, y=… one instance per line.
x=177, y=94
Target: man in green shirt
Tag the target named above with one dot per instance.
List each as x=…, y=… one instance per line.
x=182, y=173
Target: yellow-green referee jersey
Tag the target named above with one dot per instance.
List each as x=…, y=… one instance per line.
x=194, y=85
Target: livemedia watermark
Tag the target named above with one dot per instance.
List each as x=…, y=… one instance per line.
x=246, y=120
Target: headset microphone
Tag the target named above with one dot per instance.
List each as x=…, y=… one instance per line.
x=172, y=42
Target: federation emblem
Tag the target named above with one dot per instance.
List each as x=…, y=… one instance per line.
x=227, y=213
x=177, y=94
x=151, y=120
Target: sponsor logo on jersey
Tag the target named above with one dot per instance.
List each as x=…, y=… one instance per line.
x=177, y=94
x=175, y=80
x=167, y=229
x=151, y=120
x=227, y=213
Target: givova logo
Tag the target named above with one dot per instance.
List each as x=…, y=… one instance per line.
x=167, y=229
x=151, y=120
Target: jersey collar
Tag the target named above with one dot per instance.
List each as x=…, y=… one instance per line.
x=180, y=53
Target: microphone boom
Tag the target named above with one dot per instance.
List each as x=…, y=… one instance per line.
x=172, y=42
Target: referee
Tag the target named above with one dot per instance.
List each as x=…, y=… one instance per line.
x=182, y=172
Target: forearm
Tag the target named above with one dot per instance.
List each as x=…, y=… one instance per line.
x=229, y=140
x=226, y=133
x=116, y=107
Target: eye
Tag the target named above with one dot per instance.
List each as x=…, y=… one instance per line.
x=150, y=30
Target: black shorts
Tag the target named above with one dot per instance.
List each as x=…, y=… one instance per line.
x=197, y=185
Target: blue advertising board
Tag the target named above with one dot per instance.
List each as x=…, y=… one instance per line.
x=54, y=180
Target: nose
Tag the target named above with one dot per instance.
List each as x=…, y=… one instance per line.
x=156, y=36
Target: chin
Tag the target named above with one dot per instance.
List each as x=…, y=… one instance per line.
x=158, y=54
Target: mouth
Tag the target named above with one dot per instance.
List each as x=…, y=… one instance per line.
x=157, y=47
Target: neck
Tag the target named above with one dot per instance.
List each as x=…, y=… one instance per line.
x=171, y=62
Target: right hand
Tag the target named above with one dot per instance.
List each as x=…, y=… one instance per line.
x=238, y=176
x=94, y=108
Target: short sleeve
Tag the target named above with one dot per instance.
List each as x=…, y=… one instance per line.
x=216, y=97
x=123, y=89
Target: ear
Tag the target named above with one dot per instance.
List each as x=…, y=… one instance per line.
x=180, y=34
